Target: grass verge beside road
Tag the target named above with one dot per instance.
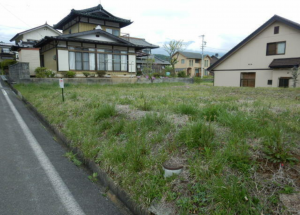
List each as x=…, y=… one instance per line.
x=239, y=146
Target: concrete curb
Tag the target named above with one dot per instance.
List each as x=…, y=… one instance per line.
x=104, y=178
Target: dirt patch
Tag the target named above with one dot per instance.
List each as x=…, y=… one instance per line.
x=137, y=114
x=291, y=202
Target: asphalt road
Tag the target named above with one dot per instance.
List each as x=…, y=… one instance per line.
x=35, y=177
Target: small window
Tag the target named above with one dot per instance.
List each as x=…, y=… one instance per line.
x=109, y=30
x=276, y=30
x=97, y=35
x=191, y=62
x=270, y=82
x=276, y=48
x=70, y=31
x=182, y=61
x=197, y=61
x=116, y=32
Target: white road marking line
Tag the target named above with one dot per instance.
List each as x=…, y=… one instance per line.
x=59, y=186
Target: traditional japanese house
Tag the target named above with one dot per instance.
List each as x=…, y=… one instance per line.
x=91, y=41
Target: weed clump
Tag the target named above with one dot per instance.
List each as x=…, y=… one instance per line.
x=196, y=135
x=105, y=111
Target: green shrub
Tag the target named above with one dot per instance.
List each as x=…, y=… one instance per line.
x=70, y=74
x=156, y=75
x=181, y=74
x=139, y=73
x=6, y=63
x=101, y=73
x=40, y=72
x=50, y=74
x=86, y=74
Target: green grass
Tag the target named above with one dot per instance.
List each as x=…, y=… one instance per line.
x=231, y=141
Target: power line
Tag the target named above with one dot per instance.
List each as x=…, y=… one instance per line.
x=14, y=15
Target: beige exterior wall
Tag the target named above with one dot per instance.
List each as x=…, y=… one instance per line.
x=194, y=66
x=49, y=62
x=233, y=78
x=86, y=26
x=37, y=34
x=253, y=54
x=227, y=79
x=74, y=29
x=252, y=57
x=31, y=56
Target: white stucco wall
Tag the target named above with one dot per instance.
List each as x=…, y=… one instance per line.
x=253, y=54
x=282, y=73
x=262, y=77
x=31, y=56
x=233, y=78
x=227, y=79
x=39, y=34
x=93, y=37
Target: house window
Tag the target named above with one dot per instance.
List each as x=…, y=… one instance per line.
x=5, y=50
x=277, y=48
x=270, y=82
x=205, y=63
x=191, y=62
x=197, y=61
x=116, y=32
x=276, y=30
x=182, y=61
x=82, y=60
x=109, y=30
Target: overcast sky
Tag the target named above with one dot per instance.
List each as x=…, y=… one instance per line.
x=223, y=22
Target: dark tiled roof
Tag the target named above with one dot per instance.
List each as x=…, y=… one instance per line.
x=285, y=63
x=97, y=12
x=141, y=42
x=33, y=29
x=213, y=60
x=96, y=31
x=180, y=69
x=120, y=43
x=192, y=55
x=257, y=31
x=156, y=60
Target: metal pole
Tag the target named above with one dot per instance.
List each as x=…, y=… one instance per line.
x=202, y=56
x=62, y=94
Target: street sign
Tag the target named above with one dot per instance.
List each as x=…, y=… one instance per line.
x=61, y=83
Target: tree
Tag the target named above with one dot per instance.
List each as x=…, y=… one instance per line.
x=295, y=75
x=173, y=48
x=148, y=69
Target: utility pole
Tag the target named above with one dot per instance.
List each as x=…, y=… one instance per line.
x=202, y=47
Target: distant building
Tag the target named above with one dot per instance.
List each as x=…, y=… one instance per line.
x=158, y=65
x=6, y=53
x=190, y=62
x=25, y=42
x=91, y=41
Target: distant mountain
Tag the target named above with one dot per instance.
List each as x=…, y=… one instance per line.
x=162, y=57
x=161, y=51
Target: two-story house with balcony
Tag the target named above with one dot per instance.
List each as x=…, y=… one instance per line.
x=91, y=41
x=263, y=59
x=190, y=62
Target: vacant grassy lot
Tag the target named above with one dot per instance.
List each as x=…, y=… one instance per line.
x=238, y=146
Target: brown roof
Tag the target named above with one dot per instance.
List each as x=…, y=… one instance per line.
x=285, y=63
